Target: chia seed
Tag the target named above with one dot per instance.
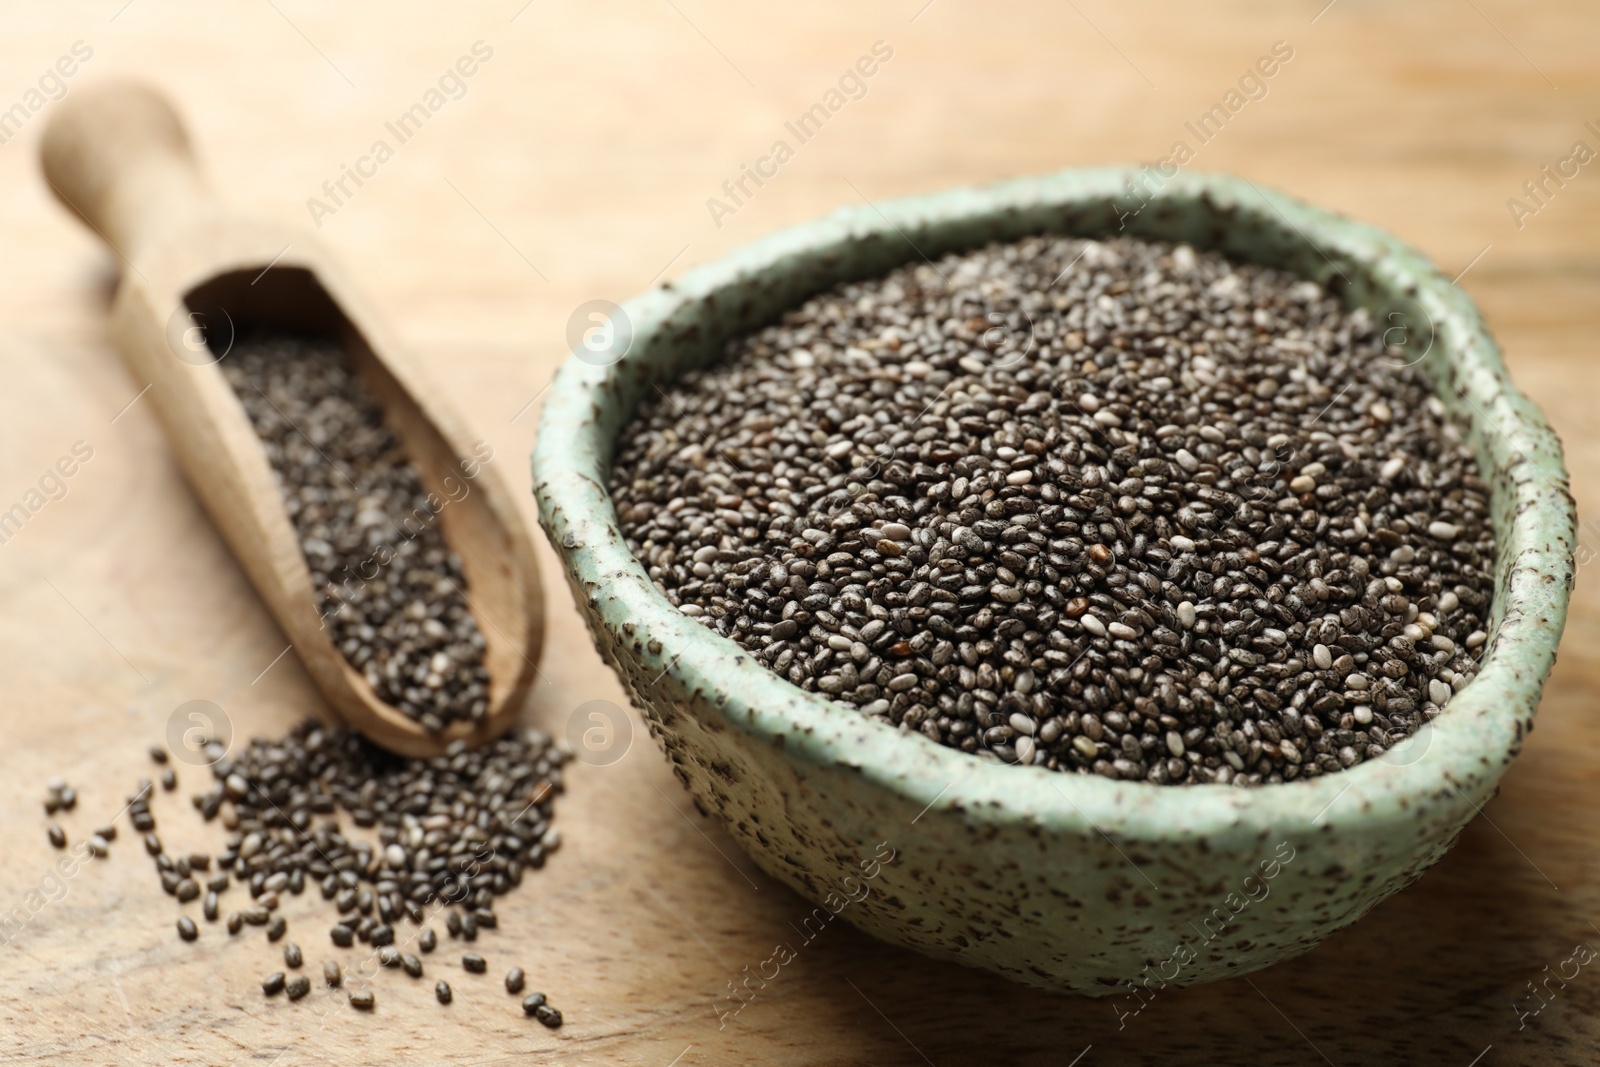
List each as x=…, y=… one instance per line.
x=1121, y=508
x=358, y=505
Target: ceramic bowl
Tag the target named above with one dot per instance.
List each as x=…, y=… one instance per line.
x=1061, y=881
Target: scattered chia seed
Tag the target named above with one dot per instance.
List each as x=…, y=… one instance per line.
x=411, y=964
x=442, y=991
x=356, y=500
x=474, y=963
x=187, y=929
x=427, y=940
x=331, y=974
x=532, y=1003
x=58, y=836
x=1119, y=507
x=277, y=928
x=362, y=999
x=298, y=987
x=272, y=985
x=292, y=957
x=548, y=1015
x=514, y=981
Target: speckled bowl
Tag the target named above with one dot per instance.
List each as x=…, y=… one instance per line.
x=1060, y=881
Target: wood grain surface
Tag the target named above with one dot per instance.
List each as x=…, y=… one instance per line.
x=575, y=163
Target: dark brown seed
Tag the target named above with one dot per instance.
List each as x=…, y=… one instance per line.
x=331, y=974
x=427, y=940
x=514, y=980
x=532, y=1003
x=382, y=934
x=69, y=798
x=235, y=922
x=256, y=915
x=1130, y=542
x=342, y=936
x=187, y=929
x=99, y=846
x=218, y=882
x=107, y=832
x=389, y=956
x=442, y=991
x=187, y=890
x=362, y=999
x=548, y=1015
x=199, y=861
x=58, y=836
x=158, y=753
x=272, y=984
x=298, y=987
x=152, y=844
x=474, y=963
x=208, y=906
x=277, y=928
x=292, y=957
x=412, y=965
x=292, y=386
x=169, y=779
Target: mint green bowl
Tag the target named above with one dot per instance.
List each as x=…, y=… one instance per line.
x=1060, y=881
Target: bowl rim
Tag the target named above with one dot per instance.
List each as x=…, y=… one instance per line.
x=1463, y=751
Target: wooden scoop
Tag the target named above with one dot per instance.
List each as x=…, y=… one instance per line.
x=195, y=276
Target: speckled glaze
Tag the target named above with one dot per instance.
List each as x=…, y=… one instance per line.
x=1060, y=881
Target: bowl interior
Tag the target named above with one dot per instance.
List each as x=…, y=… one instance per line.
x=687, y=324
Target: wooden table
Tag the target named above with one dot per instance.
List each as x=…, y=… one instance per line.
x=578, y=165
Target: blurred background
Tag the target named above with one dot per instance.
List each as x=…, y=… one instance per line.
x=596, y=150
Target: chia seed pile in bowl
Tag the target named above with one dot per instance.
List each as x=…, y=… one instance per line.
x=1118, y=507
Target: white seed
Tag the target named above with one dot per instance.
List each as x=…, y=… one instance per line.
x=1442, y=531
x=1119, y=630
x=1439, y=692
x=1476, y=638
x=1448, y=602
x=1175, y=743
x=1186, y=615
x=1322, y=657
x=1093, y=625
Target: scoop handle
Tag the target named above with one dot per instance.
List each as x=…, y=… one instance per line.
x=117, y=155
